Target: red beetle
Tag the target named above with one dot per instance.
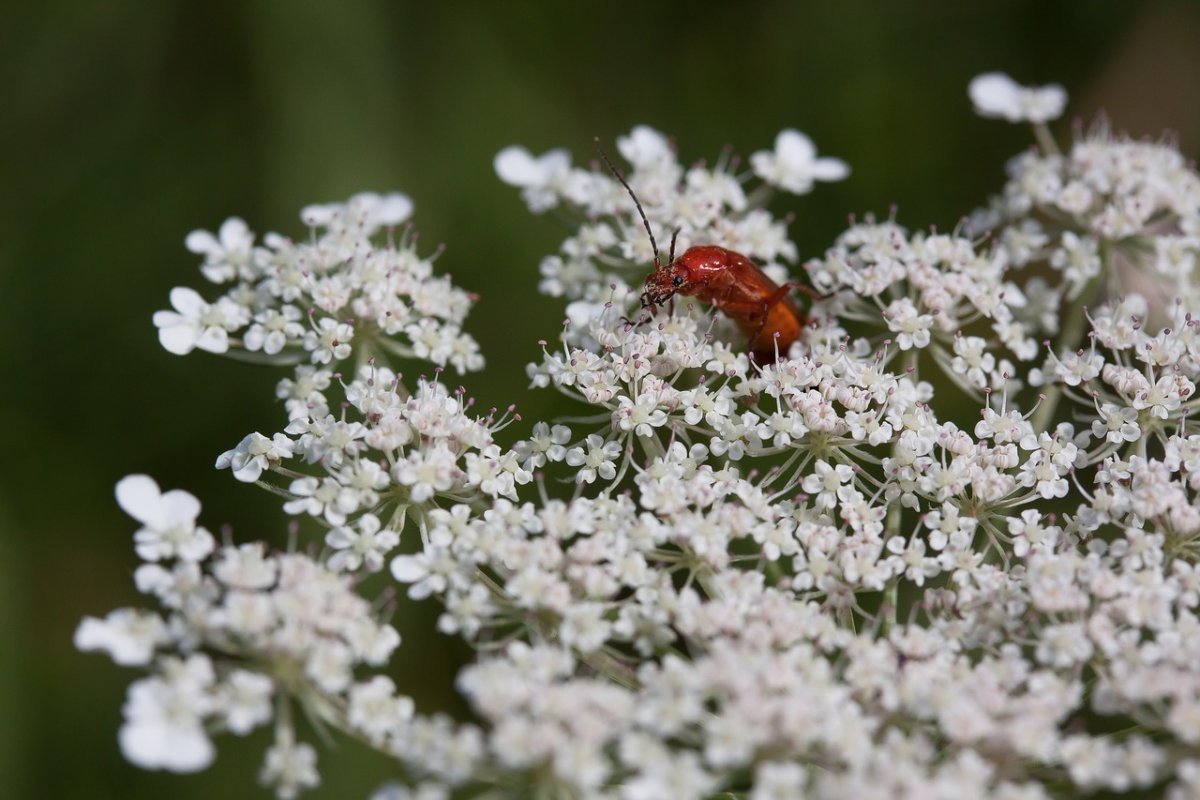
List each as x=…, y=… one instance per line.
x=733, y=283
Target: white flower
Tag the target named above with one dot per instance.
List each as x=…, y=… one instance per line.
x=127, y=635
x=641, y=415
x=228, y=255
x=168, y=520
x=825, y=481
x=997, y=95
x=542, y=177
x=645, y=148
x=428, y=472
x=1116, y=424
x=363, y=547
x=255, y=454
x=164, y=720
x=197, y=324
x=599, y=459
x=288, y=768
x=793, y=166
x=375, y=709
x=246, y=567
x=245, y=700
x=274, y=329
x=425, y=571
x=545, y=444
x=912, y=327
x=329, y=341
x=364, y=213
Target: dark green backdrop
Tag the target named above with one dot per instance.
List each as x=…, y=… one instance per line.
x=127, y=124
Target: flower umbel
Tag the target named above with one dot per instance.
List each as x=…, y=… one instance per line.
x=944, y=546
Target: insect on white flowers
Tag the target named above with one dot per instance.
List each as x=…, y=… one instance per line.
x=944, y=545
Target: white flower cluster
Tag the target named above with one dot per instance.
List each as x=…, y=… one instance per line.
x=308, y=301
x=242, y=635
x=239, y=627
x=945, y=547
x=366, y=448
x=1131, y=203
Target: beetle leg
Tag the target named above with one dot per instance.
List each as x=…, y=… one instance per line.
x=642, y=318
x=808, y=290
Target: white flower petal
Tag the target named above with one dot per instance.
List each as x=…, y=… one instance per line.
x=516, y=166
x=645, y=147
x=234, y=233
x=393, y=209
x=794, y=147
x=212, y=340
x=179, y=506
x=139, y=497
x=178, y=339
x=201, y=242
x=408, y=569
x=830, y=169
x=188, y=302
x=994, y=95
x=248, y=472
x=176, y=748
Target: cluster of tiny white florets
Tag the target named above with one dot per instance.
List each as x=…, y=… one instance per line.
x=944, y=547
x=1112, y=216
x=316, y=301
x=241, y=630
x=361, y=449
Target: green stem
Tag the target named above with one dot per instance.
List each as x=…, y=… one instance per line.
x=891, y=595
x=1045, y=141
x=1072, y=334
x=891, y=601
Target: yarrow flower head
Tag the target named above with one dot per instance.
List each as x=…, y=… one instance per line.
x=942, y=542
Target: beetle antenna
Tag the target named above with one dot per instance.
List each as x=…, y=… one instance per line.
x=617, y=174
x=674, y=236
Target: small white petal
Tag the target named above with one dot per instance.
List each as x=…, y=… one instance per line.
x=139, y=497
x=830, y=169
x=516, y=166
x=393, y=209
x=187, y=302
x=645, y=147
x=212, y=340
x=234, y=232
x=177, y=749
x=794, y=146
x=248, y=472
x=407, y=569
x=201, y=242
x=178, y=339
x=179, y=506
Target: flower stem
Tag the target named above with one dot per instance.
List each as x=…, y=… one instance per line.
x=1070, y=338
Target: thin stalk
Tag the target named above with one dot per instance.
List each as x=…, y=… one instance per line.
x=1070, y=338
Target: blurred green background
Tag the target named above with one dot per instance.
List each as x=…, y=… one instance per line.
x=128, y=124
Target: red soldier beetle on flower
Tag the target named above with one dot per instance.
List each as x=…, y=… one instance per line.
x=762, y=309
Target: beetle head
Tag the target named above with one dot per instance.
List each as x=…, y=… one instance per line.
x=665, y=282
